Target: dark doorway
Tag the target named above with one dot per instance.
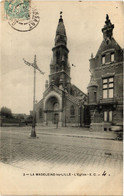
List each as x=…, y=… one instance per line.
x=56, y=118
x=87, y=118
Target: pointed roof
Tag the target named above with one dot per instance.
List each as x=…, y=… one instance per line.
x=92, y=82
x=60, y=32
x=61, y=27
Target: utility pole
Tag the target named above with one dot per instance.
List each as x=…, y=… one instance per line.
x=65, y=104
x=33, y=132
x=34, y=65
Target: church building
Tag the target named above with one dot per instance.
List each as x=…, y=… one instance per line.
x=62, y=102
x=105, y=90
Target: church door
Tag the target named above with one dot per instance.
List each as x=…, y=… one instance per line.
x=56, y=118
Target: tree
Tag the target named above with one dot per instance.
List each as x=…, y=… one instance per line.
x=19, y=116
x=6, y=112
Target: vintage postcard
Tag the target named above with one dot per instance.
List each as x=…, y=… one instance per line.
x=61, y=97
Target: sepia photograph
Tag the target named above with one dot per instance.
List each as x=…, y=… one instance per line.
x=61, y=98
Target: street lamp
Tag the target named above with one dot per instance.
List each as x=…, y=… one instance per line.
x=34, y=65
x=81, y=102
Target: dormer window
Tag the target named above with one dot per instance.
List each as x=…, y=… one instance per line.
x=103, y=59
x=108, y=57
x=112, y=57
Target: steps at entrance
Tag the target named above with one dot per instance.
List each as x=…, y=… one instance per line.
x=45, y=125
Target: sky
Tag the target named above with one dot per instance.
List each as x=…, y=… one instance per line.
x=83, y=22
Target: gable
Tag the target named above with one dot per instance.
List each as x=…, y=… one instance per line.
x=107, y=50
x=75, y=91
x=111, y=45
x=52, y=88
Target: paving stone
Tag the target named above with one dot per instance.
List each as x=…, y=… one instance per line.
x=58, y=151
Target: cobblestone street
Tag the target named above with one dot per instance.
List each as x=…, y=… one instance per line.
x=59, y=153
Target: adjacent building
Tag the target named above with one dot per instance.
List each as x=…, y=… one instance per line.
x=63, y=102
x=105, y=90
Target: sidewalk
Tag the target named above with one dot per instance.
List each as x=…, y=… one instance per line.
x=81, y=132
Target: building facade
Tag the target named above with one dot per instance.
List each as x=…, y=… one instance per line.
x=63, y=102
x=105, y=90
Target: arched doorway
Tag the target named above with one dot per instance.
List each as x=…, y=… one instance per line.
x=56, y=114
x=52, y=109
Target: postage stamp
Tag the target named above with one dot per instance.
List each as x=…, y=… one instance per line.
x=20, y=15
x=17, y=9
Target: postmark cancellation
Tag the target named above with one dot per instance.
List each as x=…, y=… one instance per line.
x=21, y=15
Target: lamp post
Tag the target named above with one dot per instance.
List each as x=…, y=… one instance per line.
x=80, y=108
x=81, y=102
x=33, y=132
x=65, y=90
x=34, y=65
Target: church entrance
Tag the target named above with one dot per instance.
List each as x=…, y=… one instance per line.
x=56, y=118
x=52, y=111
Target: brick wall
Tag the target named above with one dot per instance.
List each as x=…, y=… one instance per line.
x=72, y=119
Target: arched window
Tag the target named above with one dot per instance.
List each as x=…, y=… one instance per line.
x=95, y=96
x=56, y=106
x=72, y=111
x=40, y=113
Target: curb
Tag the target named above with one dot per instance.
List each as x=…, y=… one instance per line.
x=78, y=136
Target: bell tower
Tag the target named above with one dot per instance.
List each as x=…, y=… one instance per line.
x=59, y=66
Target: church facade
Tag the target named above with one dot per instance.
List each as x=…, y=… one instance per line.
x=62, y=103
x=105, y=90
